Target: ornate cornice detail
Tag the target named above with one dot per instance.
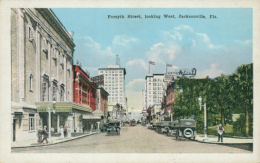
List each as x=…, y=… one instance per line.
x=51, y=35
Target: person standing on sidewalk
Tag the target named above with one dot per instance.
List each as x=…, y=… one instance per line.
x=39, y=136
x=45, y=134
x=220, y=130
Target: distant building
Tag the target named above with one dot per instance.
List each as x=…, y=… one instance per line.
x=98, y=80
x=154, y=89
x=114, y=83
x=144, y=100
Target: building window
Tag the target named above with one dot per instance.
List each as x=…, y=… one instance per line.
x=62, y=93
x=30, y=33
x=30, y=82
x=31, y=122
x=45, y=91
x=44, y=46
x=54, y=92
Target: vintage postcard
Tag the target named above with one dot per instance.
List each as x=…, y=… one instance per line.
x=100, y=82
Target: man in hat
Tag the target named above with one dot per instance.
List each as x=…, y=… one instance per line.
x=220, y=130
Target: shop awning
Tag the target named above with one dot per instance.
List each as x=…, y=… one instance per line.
x=62, y=107
x=94, y=115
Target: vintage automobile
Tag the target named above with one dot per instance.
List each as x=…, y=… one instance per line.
x=183, y=127
x=113, y=127
x=132, y=123
x=162, y=126
x=154, y=126
x=104, y=127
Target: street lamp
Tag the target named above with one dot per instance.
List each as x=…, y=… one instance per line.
x=54, y=102
x=205, y=119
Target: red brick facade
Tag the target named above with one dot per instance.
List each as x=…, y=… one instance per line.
x=84, y=91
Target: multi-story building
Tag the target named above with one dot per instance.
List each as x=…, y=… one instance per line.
x=102, y=104
x=154, y=89
x=84, y=93
x=41, y=73
x=114, y=83
x=169, y=99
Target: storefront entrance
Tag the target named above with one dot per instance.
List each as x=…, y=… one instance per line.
x=44, y=117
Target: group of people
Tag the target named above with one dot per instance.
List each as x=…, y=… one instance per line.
x=43, y=135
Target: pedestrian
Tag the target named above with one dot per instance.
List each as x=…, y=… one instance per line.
x=65, y=131
x=39, y=136
x=45, y=134
x=220, y=130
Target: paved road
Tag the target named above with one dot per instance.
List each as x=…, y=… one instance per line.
x=137, y=139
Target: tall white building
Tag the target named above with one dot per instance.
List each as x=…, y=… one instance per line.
x=154, y=89
x=114, y=83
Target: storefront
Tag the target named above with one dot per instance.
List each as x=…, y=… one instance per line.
x=92, y=121
x=63, y=114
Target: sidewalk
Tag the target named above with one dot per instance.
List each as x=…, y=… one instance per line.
x=226, y=140
x=55, y=140
x=235, y=142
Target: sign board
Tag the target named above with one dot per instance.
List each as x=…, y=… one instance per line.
x=191, y=72
x=169, y=77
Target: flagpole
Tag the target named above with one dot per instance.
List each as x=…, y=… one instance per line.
x=166, y=67
x=149, y=67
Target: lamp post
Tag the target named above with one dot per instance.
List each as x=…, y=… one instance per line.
x=50, y=141
x=205, y=119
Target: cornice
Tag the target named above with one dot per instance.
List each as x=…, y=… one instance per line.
x=40, y=23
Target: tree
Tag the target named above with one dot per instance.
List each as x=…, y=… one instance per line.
x=245, y=78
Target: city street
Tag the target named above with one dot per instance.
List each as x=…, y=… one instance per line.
x=136, y=139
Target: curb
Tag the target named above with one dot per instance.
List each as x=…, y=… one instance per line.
x=57, y=142
x=245, y=146
x=221, y=143
x=237, y=137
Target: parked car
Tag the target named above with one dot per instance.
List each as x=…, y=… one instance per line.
x=132, y=123
x=184, y=128
x=104, y=127
x=113, y=127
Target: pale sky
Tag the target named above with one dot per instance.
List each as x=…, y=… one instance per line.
x=212, y=46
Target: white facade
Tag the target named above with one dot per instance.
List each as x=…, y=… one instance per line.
x=154, y=89
x=144, y=100
x=114, y=83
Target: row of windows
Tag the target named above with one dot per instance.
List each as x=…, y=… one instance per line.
x=116, y=94
x=159, y=80
x=115, y=88
x=115, y=75
x=112, y=71
x=154, y=84
x=155, y=88
x=121, y=81
x=159, y=96
x=114, y=85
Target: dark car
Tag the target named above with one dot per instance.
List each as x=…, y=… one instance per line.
x=184, y=128
x=113, y=127
x=104, y=127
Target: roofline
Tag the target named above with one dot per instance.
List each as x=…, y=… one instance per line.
x=112, y=69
